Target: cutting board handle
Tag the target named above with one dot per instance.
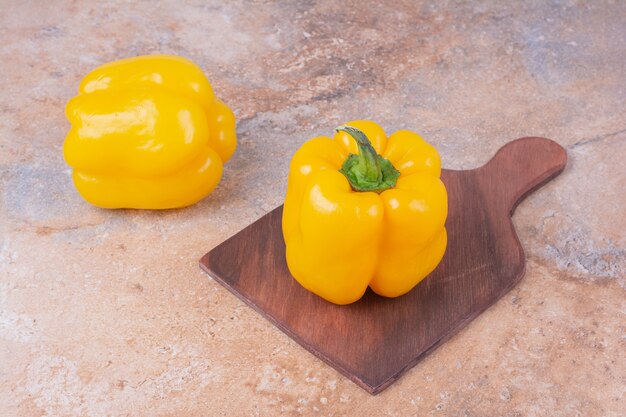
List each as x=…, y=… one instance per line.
x=520, y=167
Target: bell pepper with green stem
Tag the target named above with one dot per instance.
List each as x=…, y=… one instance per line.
x=147, y=132
x=363, y=209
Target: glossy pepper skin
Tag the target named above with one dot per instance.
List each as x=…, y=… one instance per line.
x=147, y=133
x=340, y=241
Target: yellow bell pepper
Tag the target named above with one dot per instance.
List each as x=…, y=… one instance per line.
x=363, y=209
x=148, y=133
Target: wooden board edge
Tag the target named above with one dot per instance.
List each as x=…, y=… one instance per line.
x=371, y=388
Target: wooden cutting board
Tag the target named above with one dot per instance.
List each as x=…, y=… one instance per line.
x=376, y=339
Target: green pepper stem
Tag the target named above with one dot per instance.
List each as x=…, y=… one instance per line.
x=368, y=158
x=367, y=171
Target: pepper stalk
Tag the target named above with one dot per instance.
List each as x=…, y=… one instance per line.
x=367, y=171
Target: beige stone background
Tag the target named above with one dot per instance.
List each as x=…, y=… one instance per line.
x=106, y=313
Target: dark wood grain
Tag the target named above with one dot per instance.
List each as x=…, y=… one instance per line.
x=376, y=339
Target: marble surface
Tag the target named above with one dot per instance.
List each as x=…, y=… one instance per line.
x=106, y=313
